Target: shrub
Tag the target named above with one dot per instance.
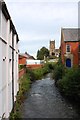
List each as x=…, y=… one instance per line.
x=58, y=72
x=31, y=74
x=38, y=73
x=70, y=83
x=51, y=66
x=21, y=67
x=46, y=69
x=24, y=85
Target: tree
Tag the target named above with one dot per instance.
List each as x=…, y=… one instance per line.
x=42, y=52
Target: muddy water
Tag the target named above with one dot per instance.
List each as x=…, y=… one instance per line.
x=45, y=101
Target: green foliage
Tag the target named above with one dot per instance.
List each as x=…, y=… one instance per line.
x=40, y=72
x=24, y=85
x=51, y=65
x=21, y=67
x=42, y=52
x=67, y=80
x=58, y=72
x=31, y=74
x=70, y=83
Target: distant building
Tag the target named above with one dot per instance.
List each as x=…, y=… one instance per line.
x=8, y=62
x=29, y=56
x=57, y=52
x=33, y=64
x=23, y=57
x=52, y=50
x=70, y=47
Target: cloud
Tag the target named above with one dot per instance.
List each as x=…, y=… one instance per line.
x=30, y=1
x=38, y=22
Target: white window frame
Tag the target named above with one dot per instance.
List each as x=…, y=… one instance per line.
x=68, y=48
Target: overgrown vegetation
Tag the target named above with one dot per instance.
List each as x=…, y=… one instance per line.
x=21, y=67
x=24, y=85
x=39, y=73
x=70, y=84
x=58, y=71
x=68, y=81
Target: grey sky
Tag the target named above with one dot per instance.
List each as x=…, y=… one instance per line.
x=37, y=22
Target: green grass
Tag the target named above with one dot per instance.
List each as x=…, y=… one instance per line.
x=58, y=72
x=24, y=86
x=70, y=84
x=67, y=80
x=40, y=72
x=21, y=66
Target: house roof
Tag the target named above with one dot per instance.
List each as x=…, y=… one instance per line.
x=22, y=56
x=71, y=34
x=26, y=55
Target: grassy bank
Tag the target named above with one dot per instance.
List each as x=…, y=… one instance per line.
x=40, y=72
x=24, y=86
x=69, y=85
x=21, y=66
x=68, y=81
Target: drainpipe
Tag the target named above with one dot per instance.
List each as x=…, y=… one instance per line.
x=13, y=71
x=79, y=33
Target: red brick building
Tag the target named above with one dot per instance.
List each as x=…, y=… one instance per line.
x=70, y=47
x=23, y=57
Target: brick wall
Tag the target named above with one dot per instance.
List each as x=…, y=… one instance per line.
x=74, y=51
x=22, y=72
x=22, y=61
x=34, y=66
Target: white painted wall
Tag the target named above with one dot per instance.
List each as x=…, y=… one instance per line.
x=33, y=62
x=6, y=102
x=0, y=20
x=10, y=80
x=0, y=65
x=0, y=78
x=3, y=27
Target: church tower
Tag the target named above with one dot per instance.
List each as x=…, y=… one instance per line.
x=52, y=48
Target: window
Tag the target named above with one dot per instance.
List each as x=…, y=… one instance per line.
x=79, y=48
x=67, y=48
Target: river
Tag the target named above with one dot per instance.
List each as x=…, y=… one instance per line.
x=45, y=101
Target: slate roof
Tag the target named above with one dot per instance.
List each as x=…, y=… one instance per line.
x=71, y=34
x=26, y=55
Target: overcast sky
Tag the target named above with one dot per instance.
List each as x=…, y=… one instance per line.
x=39, y=21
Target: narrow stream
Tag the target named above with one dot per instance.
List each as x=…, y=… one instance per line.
x=45, y=101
